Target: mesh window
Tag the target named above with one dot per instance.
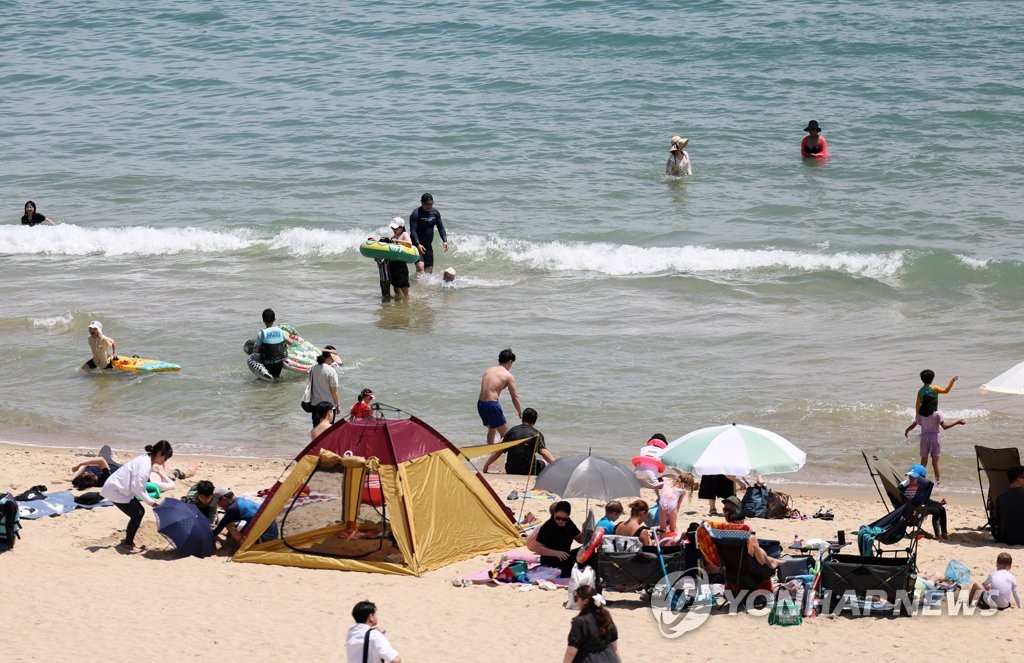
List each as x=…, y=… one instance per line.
x=313, y=523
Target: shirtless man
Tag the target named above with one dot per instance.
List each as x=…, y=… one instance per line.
x=495, y=379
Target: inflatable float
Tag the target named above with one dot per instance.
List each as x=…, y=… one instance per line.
x=649, y=457
x=138, y=364
x=389, y=251
x=301, y=355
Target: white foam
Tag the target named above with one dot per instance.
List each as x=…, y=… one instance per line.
x=624, y=260
x=973, y=263
x=54, y=321
x=597, y=257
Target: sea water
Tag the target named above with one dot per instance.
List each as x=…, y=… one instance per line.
x=208, y=161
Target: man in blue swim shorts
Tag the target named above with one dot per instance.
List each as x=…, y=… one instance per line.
x=495, y=380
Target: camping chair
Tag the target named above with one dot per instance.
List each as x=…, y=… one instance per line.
x=891, y=529
x=994, y=463
x=882, y=472
x=739, y=569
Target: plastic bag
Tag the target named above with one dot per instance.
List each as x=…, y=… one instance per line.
x=957, y=572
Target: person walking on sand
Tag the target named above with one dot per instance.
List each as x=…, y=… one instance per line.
x=366, y=640
x=422, y=222
x=930, y=420
x=593, y=637
x=126, y=488
x=678, y=158
x=494, y=381
x=927, y=376
x=104, y=348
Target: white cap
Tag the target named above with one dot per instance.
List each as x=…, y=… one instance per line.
x=97, y=325
x=397, y=222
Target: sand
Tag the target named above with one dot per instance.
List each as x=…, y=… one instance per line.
x=71, y=596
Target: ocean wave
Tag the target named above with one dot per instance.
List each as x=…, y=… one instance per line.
x=62, y=321
x=596, y=257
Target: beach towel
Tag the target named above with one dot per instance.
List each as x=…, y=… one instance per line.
x=54, y=504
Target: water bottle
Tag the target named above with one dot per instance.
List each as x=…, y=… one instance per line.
x=797, y=542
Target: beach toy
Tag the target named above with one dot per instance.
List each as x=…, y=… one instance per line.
x=138, y=364
x=153, y=490
x=389, y=251
x=301, y=354
x=649, y=457
x=595, y=541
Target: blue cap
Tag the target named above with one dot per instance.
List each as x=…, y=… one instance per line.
x=917, y=471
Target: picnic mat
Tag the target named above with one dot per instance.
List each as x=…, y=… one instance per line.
x=54, y=504
x=535, y=572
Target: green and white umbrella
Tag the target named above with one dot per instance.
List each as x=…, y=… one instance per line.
x=733, y=449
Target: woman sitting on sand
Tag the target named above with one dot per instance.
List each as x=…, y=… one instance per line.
x=553, y=540
x=635, y=525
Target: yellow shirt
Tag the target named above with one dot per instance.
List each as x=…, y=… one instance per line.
x=102, y=350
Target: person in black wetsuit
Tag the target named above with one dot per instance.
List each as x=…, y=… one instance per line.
x=421, y=228
x=34, y=218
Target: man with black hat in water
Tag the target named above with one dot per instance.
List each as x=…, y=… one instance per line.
x=421, y=228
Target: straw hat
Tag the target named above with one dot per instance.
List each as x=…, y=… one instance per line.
x=679, y=143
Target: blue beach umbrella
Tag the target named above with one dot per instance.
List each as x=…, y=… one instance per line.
x=733, y=449
x=185, y=527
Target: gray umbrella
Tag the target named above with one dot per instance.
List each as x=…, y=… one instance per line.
x=588, y=476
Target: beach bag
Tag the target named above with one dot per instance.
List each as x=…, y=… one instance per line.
x=755, y=501
x=778, y=505
x=10, y=521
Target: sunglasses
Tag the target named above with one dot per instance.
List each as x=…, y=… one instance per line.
x=561, y=520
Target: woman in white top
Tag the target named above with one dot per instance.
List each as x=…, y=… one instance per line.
x=126, y=488
x=679, y=159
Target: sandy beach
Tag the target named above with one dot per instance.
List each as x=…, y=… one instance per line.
x=78, y=598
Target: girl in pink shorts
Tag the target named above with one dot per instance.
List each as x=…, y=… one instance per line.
x=931, y=422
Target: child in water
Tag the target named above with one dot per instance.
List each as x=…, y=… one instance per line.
x=930, y=420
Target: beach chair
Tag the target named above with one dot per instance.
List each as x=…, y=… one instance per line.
x=739, y=569
x=886, y=479
x=992, y=467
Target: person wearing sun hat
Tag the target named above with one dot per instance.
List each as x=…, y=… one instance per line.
x=361, y=409
x=678, y=159
x=918, y=489
x=399, y=269
x=813, y=145
x=104, y=348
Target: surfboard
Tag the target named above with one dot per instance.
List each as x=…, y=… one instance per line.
x=142, y=365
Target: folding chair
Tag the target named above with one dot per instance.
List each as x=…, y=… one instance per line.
x=882, y=472
x=992, y=467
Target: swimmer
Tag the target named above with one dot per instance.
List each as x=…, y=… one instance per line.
x=104, y=349
x=813, y=145
x=679, y=159
x=34, y=218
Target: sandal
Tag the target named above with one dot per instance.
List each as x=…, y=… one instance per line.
x=824, y=514
x=713, y=513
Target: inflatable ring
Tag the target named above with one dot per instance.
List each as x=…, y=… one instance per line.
x=595, y=541
x=648, y=460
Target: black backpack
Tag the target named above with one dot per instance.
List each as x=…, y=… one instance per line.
x=755, y=502
x=10, y=521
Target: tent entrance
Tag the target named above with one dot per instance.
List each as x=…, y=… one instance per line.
x=342, y=516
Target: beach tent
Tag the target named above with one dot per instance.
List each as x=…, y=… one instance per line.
x=384, y=496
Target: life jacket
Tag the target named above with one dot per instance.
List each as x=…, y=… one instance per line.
x=272, y=350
